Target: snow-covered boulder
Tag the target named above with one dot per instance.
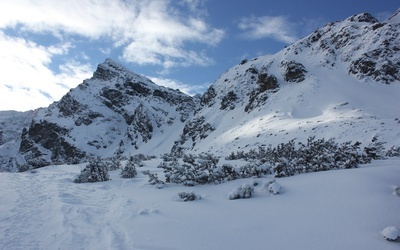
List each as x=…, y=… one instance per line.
x=391, y=233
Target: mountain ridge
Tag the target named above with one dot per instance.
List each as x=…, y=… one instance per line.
x=340, y=81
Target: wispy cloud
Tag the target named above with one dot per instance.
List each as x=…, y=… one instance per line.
x=276, y=27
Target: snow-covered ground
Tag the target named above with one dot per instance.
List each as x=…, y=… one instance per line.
x=342, y=209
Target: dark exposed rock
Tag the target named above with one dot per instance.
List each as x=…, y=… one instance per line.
x=267, y=82
x=228, y=100
x=113, y=96
x=68, y=106
x=136, y=88
x=195, y=129
x=51, y=137
x=386, y=72
x=252, y=70
x=315, y=36
x=141, y=124
x=87, y=119
x=256, y=99
x=293, y=71
x=208, y=98
x=104, y=73
x=365, y=17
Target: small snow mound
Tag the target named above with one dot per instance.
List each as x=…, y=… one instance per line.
x=272, y=186
x=148, y=211
x=391, y=233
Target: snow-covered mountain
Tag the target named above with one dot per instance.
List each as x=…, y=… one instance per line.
x=341, y=81
x=115, y=112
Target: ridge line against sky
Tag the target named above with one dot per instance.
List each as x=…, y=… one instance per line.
x=48, y=47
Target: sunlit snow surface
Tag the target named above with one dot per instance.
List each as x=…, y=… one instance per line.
x=342, y=209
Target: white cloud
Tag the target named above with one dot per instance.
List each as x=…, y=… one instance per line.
x=276, y=27
x=185, y=88
x=150, y=31
x=26, y=80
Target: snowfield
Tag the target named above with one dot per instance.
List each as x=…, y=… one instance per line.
x=341, y=209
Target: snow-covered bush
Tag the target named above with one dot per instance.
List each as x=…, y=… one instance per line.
x=153, y=179
x=138, y=159
x=168, y=157
x=316, y=155
x=114, y=164
x=391, y=233
x=393, y=151
x=129, y=171
x=95, y=171
x=229, y=172
x=194, y=170
x=254, y=169
x=396, y=190
x=185, y=196
x=288, y=159
x=272, y=186
x=283, y=158
x=243, y=192
x=375, y=150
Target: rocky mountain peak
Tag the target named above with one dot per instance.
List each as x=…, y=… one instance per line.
x=113, y=113
x=364, y=17
x=110, y=69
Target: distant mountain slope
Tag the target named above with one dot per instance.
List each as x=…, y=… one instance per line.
x=341, y=81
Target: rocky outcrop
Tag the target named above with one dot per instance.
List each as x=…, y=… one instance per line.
x=293, y=71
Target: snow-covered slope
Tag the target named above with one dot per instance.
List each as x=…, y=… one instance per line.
x=343, y=209
x=341, y=81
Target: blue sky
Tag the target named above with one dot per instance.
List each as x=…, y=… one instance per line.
x=49, y=46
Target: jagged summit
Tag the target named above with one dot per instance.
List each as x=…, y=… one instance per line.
x=110, y=69
x=363, y=17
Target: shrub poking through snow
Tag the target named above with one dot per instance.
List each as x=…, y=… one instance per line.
x=229, y=172
x=95, y=171
x=394, y=151
x=195, y=170
x=391, y=233
x=113, y=164
x=243, y=192
x=188, y=196
x=129, y=171
x=396, y=190
x=153, y=179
